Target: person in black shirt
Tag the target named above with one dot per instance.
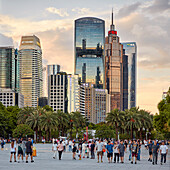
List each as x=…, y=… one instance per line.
x=29, y=150
x=155, y=150
x=92, y=150
x=74, y=151
x=150, y=150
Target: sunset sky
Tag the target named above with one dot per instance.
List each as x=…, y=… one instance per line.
x=145, y=22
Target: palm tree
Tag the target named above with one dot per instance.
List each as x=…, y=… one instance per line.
x=24, y=114
x=115, y=118
x=48, y=123
x=132, y=120
x=70, y=123
x=34, y=118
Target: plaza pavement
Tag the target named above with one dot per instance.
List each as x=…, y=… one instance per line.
x=44, y=161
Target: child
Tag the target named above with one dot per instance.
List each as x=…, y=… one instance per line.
x=79, y=155
x=87, y=151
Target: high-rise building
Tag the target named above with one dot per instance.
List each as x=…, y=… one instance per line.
x=97, y=103
x=125, y=81
x=57, y=98
x=51, y=70
x=114, y=68
x=9, y=68
x=30, y=63
x=89, y=50
x=131, y=52
x=43, y=101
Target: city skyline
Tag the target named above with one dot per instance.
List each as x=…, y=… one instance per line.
x=139, y=22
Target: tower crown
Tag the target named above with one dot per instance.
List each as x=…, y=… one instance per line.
x=112, y=26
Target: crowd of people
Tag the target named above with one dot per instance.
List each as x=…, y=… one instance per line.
x=114, y=150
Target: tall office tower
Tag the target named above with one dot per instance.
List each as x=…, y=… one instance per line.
x=31, y=78
x=113, y=68
x=57, y=98
x=89, y=50
x=97, y=103
x=125, y=81
x=131, y=52
x=73, y=93
x=9, y=73
x=82, y=99
x=51, y=70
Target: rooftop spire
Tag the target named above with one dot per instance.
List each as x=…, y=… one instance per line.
x=112, y=16
x=112, y=27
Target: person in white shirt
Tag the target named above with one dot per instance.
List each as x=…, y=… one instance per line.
x=13, y=151
x=70, y=145
x=84, y=149
x=99, y=147
x=163, y=152
x=54, y=149
x=116, y=152
x=64, y=145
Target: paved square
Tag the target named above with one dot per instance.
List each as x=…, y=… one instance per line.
x=44, y=161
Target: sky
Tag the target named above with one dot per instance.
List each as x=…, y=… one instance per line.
x=145, y=22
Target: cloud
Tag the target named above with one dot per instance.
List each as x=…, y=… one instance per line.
x=5, y=40
x=127, y=10
x=81, y=11
x=62, y=12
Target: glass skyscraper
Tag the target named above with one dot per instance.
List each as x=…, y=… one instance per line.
x=89, y=50
x=31, y=78
x=131, y=52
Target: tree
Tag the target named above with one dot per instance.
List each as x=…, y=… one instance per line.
x=22, y=130
x=48, y=123
x=48, y=108
x=115, y=118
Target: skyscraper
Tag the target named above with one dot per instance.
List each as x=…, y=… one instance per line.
x=9, y=73
x=131, y=52
x=31, y=79
x=113, y=68
x=89, y=50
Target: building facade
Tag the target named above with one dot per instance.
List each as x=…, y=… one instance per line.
x=42, y=101
x=131, y=52
x=57, y=98
x=9, y=68
x=114, y=68
x=31, y=76
x=89, y=50
x=9, y=97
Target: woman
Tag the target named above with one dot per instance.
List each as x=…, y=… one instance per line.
x=20, y=151
x=54, y=149
x=60, y=149
x=13, y=151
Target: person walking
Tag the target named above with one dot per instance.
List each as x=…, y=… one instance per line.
x=54, y=149
x=109, y=149
x=13, y=151
x=2, y=144
x=150, y=150
x=130, y=150
x=134, y=150
x=139, y=150
x=84, y=147
x=116, y=152
x=155, y=150
x=74, y=151
x=100, y=147
x=163, y=152
x=20, y=151
x=92, y=149
x=70, y=145
x=29, y=147
x=122, y=149
x=60, y=149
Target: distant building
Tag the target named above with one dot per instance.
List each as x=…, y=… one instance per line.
x=30, y=64
x=97, y=103
x=89, y=50
x=57, y=98
x=9, y=97
x=131, y=52
x=114, y=68
x=43, y=101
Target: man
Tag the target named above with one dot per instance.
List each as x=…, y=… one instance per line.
x=130, y=148
x=134, y=150
x=163, y=152
x=109, y=149
x=116, y=152
x=155, y=150
x=70, y=145
x=100, y=147
x=92, y=148
x=29, y=148
x=150, y=150
x=122, y=149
